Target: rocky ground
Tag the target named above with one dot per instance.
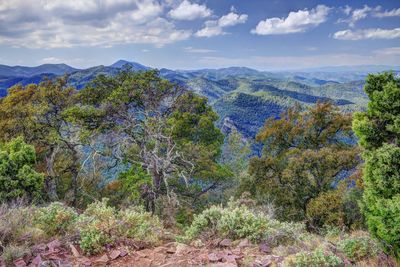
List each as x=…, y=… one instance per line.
x=217, y=253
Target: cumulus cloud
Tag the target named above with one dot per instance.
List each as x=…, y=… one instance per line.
x=216, y=27
x=60, y=23
x=298, y=21
x=376, y=33
x=189, y=11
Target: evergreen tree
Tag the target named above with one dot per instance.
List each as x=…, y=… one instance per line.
x=378, y=130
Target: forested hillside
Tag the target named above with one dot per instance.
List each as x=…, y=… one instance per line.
x=133, y=169
x=244, y=96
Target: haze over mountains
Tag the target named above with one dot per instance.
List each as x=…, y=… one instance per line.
x=243, y=97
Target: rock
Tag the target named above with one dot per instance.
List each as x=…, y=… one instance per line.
x=123, y=253
x=213, y=257
x=115, y=254
x=20, y=263
x=215, y=242
x=244, y=243
x=224, y=264
x=37, y=261
x=182, y=249
x=264, y=248
x=171, y=250
x=54, y=245
x=262, y=262
x=74, y=251
x=103, y=259
x=225, y=243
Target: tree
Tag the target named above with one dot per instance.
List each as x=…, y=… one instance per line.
x=17, y=175
x=149, y=122
x=300, y=158
x=37, y=112
x=378, y=130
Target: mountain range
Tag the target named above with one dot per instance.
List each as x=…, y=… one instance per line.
x=243, y=97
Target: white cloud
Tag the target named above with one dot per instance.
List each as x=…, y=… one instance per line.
x=60, y=23
x=298, y=21
x=367, y=34
x=232, y=19
x=362, y=13
x=216, y=27
x=190, y=11
x=387, y=13
x=198, y=50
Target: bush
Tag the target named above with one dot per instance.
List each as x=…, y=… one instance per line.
x=359, y=247
x=11, y=253
x=140, y=225
x=55, y=219
x=316, y=258
x=237, y=221
x=17, y=175
x=97, y=227
x=16, y=222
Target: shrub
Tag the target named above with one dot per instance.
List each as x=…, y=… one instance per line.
x=11, y=253
x=55, y=219
x=138, y=224
x=97, y=227
x=237, y=221
x=17, y=177
x=359, y=247
x=16, y=222
x=316, y=258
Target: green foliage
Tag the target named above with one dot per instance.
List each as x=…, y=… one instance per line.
x=17, y=175
x=140, y=225
x=55, y=219
x=299, y=160
x=102, y=225
x=237, y=221
x=97, y=227
x=359, y=247
x=166, y=130
x=132, y=181
x=378, y=130
x=316, y=258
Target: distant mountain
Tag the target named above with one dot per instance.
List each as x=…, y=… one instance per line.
x=21, y=71
x=135, y=66
x=242, y=96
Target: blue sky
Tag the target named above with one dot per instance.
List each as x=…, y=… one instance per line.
x=190, y=34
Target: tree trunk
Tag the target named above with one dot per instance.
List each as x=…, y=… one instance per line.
x=51, y=183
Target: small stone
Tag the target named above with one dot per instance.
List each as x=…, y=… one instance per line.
x=20, y=263
x=37, y=261
x=244, y=243
x=123, y=253
x=54, y=245
x=115, y=254
x=225, y=243
x=213, y=257
x=103, y=259
x=74, y=251
x=264, y=248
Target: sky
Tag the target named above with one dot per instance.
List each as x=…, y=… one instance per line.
x=196, y=34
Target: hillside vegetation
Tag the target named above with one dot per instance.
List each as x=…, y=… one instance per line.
x=133, y=170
